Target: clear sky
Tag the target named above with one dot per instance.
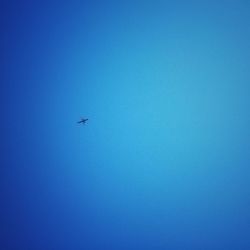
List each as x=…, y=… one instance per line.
x=163, y=161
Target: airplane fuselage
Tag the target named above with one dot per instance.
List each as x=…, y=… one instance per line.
x=83, y=121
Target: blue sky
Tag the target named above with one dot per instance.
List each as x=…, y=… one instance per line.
x=163, y=161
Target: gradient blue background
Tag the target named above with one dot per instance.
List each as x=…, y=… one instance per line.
x=163, y=162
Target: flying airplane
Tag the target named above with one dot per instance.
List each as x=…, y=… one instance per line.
x=83, y=121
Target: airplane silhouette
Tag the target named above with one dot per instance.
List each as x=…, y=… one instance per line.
x=83, y=121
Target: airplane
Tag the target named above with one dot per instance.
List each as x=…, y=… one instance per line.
x=83, y=121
